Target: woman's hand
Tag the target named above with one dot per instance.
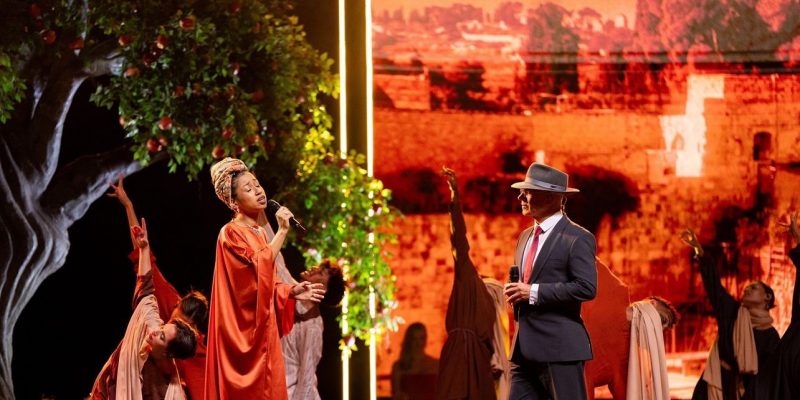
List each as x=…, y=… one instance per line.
x=308, y=291
x=139, y=234
x=283, y=215
x=118, y=192
x=451, y=177
x=688, y=237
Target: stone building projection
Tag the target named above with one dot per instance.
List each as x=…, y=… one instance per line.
x=701, y=129
x=685, y=135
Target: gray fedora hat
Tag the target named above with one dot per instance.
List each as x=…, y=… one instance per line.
x=547, y=178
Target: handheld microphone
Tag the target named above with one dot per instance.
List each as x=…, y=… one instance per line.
x=273, y=206
x=513, y=274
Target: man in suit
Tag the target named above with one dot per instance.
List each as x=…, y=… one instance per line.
x=557, y=268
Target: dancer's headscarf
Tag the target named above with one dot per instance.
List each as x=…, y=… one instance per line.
x=222, y=178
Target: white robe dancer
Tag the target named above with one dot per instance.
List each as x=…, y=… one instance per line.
x=302, y=347
x=132, y=357
x=647, y=366
x=302, y=350
x=501, y=338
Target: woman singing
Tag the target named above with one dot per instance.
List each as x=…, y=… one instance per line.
x=249, y=306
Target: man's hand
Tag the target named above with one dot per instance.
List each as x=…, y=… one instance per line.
x=139, y=234
x=308, y=291
x=791, y=226
x=516, y=292
x=118, y=192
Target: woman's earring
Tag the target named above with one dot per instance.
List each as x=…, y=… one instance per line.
x=235, y=208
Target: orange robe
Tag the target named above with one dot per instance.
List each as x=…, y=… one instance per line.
x=248, y=304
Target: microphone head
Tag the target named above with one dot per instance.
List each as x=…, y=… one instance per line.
x=273, y=206
x=513, y=274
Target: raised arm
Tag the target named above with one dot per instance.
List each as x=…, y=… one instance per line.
x=140, y=241
x=720, y=299
x=144, y=275
x=283, y=273
x=118, y=192
x=282, y=215
x=458, y=228
x=166, y=294
x=304, y=290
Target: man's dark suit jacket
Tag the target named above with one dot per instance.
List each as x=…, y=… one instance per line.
x=552, y=330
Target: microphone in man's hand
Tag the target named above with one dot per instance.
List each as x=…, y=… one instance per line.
x=273, y=206
x=513, y=274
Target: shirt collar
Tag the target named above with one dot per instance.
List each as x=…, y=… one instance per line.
x=551, y=221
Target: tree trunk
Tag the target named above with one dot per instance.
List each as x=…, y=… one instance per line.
x=38, y=202
x=34, y=245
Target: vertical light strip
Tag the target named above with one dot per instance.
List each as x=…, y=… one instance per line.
x=373, y=351
x=373, y=346
x=346, y=350
x=342, y=83
x=370, y=133
x=343, y=154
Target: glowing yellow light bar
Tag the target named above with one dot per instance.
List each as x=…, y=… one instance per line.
x=370, y=133
x=343, y=154
x=342, y=85
x=373, y=353
x=346, y=351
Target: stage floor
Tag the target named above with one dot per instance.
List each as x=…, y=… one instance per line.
x=680, y=387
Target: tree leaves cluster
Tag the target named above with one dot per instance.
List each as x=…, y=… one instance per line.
x=351, y=216
x=354, y=236
x=220, y=79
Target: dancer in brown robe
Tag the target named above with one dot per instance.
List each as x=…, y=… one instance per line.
x=465, y=363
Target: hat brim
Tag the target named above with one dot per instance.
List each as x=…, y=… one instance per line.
x=531, y=186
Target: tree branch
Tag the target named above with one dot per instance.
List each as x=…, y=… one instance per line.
x=15, y=130
x=47, y=122
x=52, y=107
x=104, y=59
x=82, y=181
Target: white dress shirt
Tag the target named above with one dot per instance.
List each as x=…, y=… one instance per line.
x=547, y=227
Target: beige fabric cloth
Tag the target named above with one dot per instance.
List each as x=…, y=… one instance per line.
x=133, y=353
x=302, y=350
x=713, y=374
x=744, y=343
x=647, y=366
x=744, y=348
x=301, y=307
x=222, y=181
x=500, y=342
x=302, y=346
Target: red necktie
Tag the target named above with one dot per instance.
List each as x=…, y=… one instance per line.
x=531, y=253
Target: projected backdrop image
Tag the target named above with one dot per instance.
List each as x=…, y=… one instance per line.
x=666, y=114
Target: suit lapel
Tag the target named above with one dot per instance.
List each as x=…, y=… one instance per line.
x=553, y=237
